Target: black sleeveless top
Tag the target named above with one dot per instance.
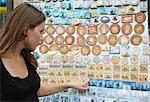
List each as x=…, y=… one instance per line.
x=14, y=89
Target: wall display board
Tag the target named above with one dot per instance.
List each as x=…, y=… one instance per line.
x=106, y=41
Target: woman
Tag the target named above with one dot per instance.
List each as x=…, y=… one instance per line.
x=19, y=79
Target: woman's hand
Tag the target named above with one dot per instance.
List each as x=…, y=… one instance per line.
x=78, y=85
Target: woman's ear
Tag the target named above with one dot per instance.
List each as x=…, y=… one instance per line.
x=26, y=31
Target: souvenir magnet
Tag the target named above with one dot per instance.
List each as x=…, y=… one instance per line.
x=43, y=49
x=85, y=50
x=102, y=39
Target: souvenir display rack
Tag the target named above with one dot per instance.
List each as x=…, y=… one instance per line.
x=95, y=39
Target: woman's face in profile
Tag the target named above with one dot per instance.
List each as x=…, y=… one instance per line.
x=35, y=36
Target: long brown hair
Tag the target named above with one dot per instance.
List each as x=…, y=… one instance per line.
x=24, y=15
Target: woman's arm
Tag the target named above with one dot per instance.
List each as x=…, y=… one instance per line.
x=51, y=89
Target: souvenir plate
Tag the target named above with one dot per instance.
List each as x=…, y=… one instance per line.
x=91, y=40
x=64, y=49
x=139, y=28
x=49, y=39
x=54, y=47
x=85, y=50
x=74, y=47
x=69, y=39
x=92, y=30
x=70, y=29
x=60, y=30
x=102, y=39
x=127, y=28
x=123, y=40
x=43, y=49
x=80, y=41
x=81, y=30
x=96, y=50
x=104, y=28
x=140, y=17
x=136, y=40
x=50, y=29
x=112, y=39
x=114, y=28
x=59, y=39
